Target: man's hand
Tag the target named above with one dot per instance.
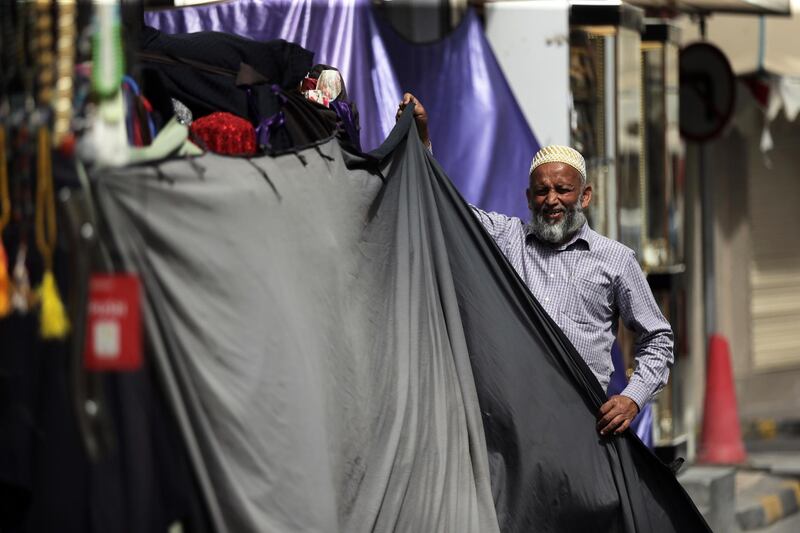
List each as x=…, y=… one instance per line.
x=420, y=116
x=616, y=415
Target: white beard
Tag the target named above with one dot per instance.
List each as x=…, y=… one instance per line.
x=557, y=232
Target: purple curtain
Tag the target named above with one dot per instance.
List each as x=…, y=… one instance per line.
x=479, y=135
x=478, y=131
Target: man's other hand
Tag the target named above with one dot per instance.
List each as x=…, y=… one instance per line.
x=420, y=116
x=616, y=415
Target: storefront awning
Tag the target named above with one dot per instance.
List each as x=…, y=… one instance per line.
x=752, y=44
x=764, y=7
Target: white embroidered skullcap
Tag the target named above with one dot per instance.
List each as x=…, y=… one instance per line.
x=559, y=154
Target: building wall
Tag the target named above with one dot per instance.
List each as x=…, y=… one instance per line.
x=770, y=385
x=755, y=221
x=726, y=167
x=729, y=169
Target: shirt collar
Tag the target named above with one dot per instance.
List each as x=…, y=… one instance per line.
x=584, y=234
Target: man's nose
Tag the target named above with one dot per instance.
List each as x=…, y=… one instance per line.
x=551, y=198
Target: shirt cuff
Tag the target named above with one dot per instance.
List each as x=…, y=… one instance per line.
x=638, y=392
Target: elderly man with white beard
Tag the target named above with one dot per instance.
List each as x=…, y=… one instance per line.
x=585, y=281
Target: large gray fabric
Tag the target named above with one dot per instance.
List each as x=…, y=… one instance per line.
x=324, y=333
x=311, y=345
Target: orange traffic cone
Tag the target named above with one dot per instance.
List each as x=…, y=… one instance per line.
x=721, y=439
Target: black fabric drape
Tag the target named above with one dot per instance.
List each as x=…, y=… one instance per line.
x=550, y=469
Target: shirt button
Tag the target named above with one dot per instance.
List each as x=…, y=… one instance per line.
x=547, y=299
x=551, y=276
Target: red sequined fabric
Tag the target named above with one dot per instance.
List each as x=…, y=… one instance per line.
x=309, y=84
x=225, y=133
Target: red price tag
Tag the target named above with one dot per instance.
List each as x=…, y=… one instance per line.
x=114, y=325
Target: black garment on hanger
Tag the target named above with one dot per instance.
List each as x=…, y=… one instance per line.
x=48, y=482
x=200, y=70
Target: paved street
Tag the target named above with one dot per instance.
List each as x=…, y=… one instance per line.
x=790, y=524
x=748, y=496
x=784, y=462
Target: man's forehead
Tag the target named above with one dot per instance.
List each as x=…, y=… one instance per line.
x=555, y=170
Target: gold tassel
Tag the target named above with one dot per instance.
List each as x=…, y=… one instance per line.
x=5, y=286
x=5, y=215
x=54, y=321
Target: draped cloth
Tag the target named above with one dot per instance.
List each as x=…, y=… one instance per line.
x=479, y=133
x=351, y=352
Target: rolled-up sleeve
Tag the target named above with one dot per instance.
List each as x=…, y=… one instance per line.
x=654, y=338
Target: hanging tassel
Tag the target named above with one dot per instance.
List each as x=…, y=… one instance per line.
x=5, y=286
x=54, y=321
x=5, y=215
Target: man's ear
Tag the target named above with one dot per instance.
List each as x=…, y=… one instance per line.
x=586, y=197
x=528, y=196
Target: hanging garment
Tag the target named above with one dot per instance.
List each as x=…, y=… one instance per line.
x=200, y=70
x=353, y=353
x=19, y=384
x=479, y=133
x=47, y=481
x=142, y=481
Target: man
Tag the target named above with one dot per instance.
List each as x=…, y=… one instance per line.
x=585, y=281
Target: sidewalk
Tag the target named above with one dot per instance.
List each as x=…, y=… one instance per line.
x=763, y=498
x=762, y=495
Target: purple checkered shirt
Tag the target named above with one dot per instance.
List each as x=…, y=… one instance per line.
x=585, y=285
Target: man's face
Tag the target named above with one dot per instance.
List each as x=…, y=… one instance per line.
x=557, y=200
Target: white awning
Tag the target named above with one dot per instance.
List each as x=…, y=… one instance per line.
x=752, y=43
x=770, y=7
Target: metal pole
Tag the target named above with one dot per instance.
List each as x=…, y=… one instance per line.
x=707, y=207
x=709, y=279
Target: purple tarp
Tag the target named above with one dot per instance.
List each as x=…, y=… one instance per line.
x=642, y=425
x=479, y=135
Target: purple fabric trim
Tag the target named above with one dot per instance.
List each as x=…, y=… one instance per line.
x=345, y=113
x=279, y=93
x=267, y=126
